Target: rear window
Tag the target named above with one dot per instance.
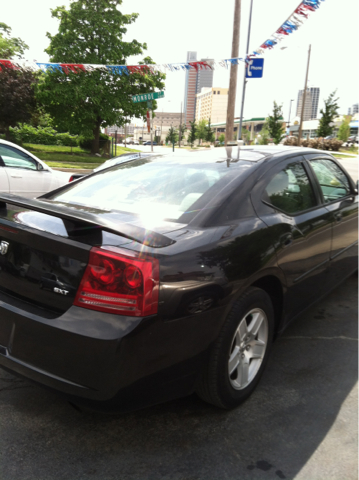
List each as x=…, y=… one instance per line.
x=147, y=188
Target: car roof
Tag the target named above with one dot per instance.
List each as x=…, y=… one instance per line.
x=253, y=155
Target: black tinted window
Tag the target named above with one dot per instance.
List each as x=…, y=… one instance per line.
x=290, y=190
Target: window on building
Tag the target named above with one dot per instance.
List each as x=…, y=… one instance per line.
x=218, y=92
x=214, y=93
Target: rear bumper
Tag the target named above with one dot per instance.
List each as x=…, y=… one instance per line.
x=95, y=358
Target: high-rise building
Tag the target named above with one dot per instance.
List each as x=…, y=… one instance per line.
x=194, y=82
x=355, y=108
x=211, y=103
x=311, y=103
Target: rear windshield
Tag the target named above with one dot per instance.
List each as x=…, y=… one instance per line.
x=147, y=188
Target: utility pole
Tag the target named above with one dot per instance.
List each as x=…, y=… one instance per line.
x=303, y=99
x=234, y=73
x=239, y=131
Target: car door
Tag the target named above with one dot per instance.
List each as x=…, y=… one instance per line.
x=341, y=201
x=288, y=201
x=26, y=176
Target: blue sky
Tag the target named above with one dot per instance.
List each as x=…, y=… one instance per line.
x=170, y=29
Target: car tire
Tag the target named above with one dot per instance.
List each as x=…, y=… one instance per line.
x=240, y=352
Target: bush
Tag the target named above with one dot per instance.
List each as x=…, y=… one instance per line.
x=86, y=142
x=291, y=141
x=317, y=143
x=40, y=136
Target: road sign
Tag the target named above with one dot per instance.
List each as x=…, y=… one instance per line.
x=254, y=68
x=147, y=96
x=148, y=121
x=149, y=104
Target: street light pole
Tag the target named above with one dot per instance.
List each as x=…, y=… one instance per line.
x=290, y=108
x=303, y=99
x=239, y=136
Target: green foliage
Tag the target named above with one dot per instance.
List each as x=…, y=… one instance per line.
x=17, y=97
x=275, y=124
x=344, y=129
x=202, y=130
x=9, y=46
x=182, y=129
x=210, y=137
x=192, y=133
x=221, y=137
x=328, y=114
x=26, y=133
x=264, y=136
x=86, y=142
x=172, y=136
x=91, y=32
x=246, y=135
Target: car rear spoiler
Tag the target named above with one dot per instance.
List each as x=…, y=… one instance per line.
x=81, y=217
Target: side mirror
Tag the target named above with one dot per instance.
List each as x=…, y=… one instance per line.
x=356, y=190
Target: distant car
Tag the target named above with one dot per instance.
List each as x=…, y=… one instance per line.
x=149, y=143
x=22, y=173
x=330, y=137
x=353, y=139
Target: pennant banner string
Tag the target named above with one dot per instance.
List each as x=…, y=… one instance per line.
x=291, y=24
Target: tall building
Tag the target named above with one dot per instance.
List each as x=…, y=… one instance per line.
x=354, y=109
x=189, y=106
x=211, y=103
x=194, y=82
x=311, y=103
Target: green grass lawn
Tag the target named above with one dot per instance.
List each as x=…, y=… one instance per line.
x=60, y=157
x=341, y=155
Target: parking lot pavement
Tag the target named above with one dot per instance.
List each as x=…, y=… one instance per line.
x=301, y=422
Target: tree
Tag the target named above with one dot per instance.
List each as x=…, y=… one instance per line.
x=17, y=97
x=91, y=32
x=201, y=130
x=172, y=135
x=344, y=129
x=192, y=133
x=10, y=47
x=221, y=138
x=275, y=124
x=210, y=137
x=264, y=135
x=328, y=114
x=182, y=129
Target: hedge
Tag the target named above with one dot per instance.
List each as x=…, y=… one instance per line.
x=41, y=136
x=318, y=143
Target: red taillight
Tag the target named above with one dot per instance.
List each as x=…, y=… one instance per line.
x=71, y=179
x=119, y=281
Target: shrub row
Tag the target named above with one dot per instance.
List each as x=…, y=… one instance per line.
x=48, y=136
x=318, y=143
x=41, y=136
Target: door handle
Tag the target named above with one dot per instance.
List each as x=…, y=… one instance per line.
x=286, y=239
x=338, y=216
x=16, y=176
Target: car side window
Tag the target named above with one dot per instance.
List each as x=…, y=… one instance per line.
x=16, y=159
x=332, y=180
x=290, y=190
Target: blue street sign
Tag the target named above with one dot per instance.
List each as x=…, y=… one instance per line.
x=255, y=68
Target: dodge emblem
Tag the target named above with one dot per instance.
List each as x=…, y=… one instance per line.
x=3, y=247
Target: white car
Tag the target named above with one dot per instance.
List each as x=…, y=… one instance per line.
x=21, y=173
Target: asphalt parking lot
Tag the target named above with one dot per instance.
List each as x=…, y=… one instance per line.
x=300, y=423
